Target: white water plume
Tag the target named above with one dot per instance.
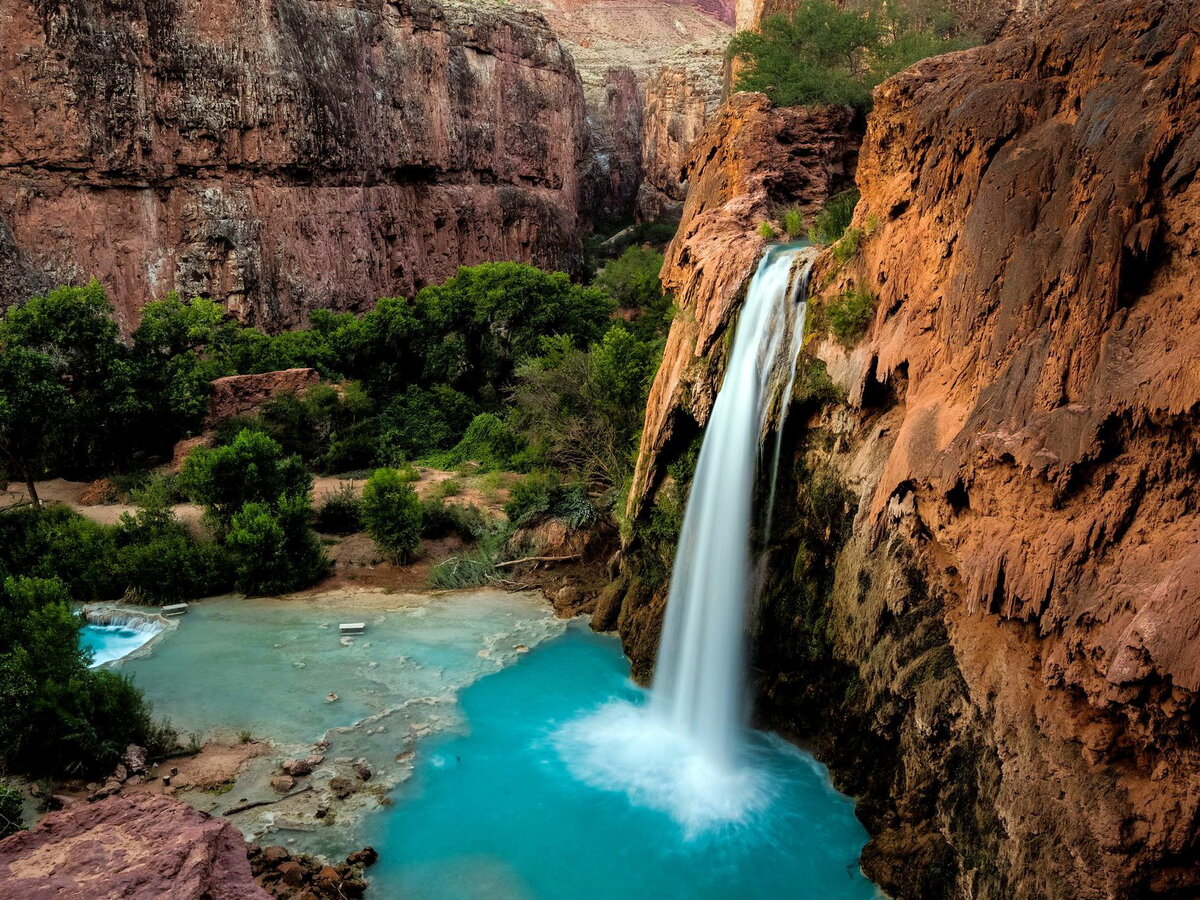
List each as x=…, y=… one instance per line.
x=684, y=752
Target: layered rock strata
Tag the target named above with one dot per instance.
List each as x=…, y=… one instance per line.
x=679, y=101
x=282, y=155
x=981, y=602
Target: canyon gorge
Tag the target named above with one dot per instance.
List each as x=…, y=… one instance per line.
x=287, y=156
x=976, y=599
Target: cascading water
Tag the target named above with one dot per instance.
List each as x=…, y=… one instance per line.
x=698, y=685
x=683, y=753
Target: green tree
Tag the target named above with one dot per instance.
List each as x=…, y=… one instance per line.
x=58, y=717
x=632, y=279
x=391, y=512
x=173, y=366
x=250, y=469
x=828, y=53
x=33, y=406
x=582, y=410
x=73, y=327
x=273, y=548
x=489, y=317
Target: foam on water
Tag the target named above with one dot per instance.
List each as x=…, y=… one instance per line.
x=688, y=753
x=531, y=801
x=627, y=747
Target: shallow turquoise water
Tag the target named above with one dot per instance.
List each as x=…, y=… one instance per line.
x=497, y=814
x=109, y=642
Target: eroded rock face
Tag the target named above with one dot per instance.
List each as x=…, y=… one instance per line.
x=618, y=49
x=679, y=100
x=139, y=846
x=237, y=395
x=283, y=156
x=982, y=603
x=750, y=158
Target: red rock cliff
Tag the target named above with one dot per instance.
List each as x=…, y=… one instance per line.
x=282, y=155
x=983, y=605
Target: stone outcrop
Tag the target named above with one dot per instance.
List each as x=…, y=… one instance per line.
x=751, y=159
x=981, y=604
x=237, y=395
x=128, y=846
x=282, y=155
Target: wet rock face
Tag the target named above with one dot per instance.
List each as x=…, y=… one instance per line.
x=128, y=846
x=748, y=159
x=982, y=605
x=283, y=156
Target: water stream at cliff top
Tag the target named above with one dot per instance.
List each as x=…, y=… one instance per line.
x=689, y=752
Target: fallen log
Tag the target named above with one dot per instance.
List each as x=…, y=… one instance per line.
x=527, y=559
x=258, y=803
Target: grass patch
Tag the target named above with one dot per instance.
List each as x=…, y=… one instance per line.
x=849, y=316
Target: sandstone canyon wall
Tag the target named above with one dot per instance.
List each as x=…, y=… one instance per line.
x=981, y=603
x=620, y=49
x=281, y=155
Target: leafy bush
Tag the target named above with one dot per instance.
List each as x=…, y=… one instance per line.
x=834, y=218
x=250, y=469
x=340, y=511
x=486, y=318
x=421, y=421
x=490, y=442
x=766, y=231
x=793, y=223
x=540, y=497
x=850, y=315
x=273, y=549
x=582, y=411
x=391, y=511
x=439, y=519
x=11, y=811
x=57, y=542
x=823, y=53
x=632, y=278
x=847, y=246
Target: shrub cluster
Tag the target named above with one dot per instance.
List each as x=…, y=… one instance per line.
x=825, y=52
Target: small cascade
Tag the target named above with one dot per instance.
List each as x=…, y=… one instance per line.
x=686, y=752
x=114, y=633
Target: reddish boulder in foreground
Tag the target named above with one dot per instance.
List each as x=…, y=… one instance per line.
x=142, y=847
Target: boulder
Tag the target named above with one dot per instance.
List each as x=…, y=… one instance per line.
x=283, y=783
x=127, y=846
x=297, y=767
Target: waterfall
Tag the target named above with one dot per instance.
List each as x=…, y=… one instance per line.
x=685, y=753
x=699, y=682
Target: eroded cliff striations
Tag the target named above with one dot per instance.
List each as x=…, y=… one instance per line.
x=679, y=101
x=981, y=604
x=283, y=155
x=619, y=48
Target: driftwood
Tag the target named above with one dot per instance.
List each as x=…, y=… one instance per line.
x=526, y=559
x=258, y=803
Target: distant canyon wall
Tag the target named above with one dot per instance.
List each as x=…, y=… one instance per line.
x=980, y=601
x=281, y=155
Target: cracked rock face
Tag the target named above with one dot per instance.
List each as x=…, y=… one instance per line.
x=282, y=155
x=128, y=846
x=999, y=655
